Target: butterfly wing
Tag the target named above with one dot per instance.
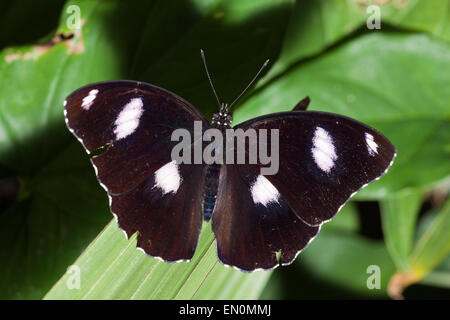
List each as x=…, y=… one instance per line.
x=323, y=160
x=165, y=209
x=131, y=124
x=252, y=222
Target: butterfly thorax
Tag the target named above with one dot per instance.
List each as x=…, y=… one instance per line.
x=222, y=119
x=210, y=190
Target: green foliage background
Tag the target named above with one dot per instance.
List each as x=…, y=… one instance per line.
x=53, y=213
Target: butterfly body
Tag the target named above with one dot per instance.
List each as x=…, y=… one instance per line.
x=210, y=190
x=259, y=220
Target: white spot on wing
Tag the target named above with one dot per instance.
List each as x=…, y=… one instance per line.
x=167, y=178
x=128, y=119
x=372, y=146
x=323, y=150
x=263, y=191
x=89, y=99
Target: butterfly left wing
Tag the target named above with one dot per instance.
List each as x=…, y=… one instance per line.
x=130, y=124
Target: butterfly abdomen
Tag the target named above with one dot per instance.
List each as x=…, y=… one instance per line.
x=210, y=190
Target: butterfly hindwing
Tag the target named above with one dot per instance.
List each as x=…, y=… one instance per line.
x=252, y=222
x=165, y=210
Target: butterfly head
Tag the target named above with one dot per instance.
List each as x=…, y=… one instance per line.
x=223, y=118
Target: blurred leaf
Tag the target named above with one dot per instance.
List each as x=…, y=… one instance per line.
x=317, y=25
x=440, y=276
x=345, y=259
x=237, y=37
x=340, y=258
x=429, y=16
x=345, y=221
x=61, y=206
x=112, y=268
x=23, y=21
x=41, y=76
x=48, y=228
x=313, y=26
x=365, y=79
x=432, y=248
x=300, y=280
x=399, y=214
x=434, y=245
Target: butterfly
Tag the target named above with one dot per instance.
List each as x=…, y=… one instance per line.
x=259, y=221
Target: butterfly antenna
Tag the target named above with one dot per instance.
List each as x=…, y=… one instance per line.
x=251, y=82
x=202, y=53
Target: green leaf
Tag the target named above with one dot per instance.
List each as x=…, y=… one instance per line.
x=325, y=283
x=434, y=245
x=313, y=26
x=15, y=30
x=341, y=258
x=250, y=31
x=431, y=249
x=399, y=214
x=346, y=260
x=317, y=25
x=366, y=79
x=60, y=206
x=50, y=226
x=112, y=268
x=440, y=276
x=429, y=16
x=345, y=221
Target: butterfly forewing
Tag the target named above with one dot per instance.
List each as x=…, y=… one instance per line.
x=324, y=159
x=134, y=121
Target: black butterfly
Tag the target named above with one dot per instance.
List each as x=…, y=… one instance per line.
x=324, y=159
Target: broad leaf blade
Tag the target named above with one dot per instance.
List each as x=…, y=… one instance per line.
x=317, y=25
x=428, y=16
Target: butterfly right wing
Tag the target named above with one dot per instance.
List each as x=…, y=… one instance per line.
x=323, y=158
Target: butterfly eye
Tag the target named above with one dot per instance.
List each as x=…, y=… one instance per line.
x=229, y=118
